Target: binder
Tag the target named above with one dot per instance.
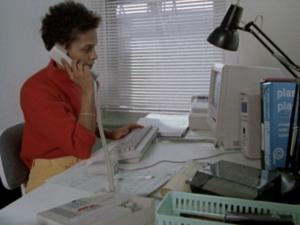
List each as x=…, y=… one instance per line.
x=277, y=97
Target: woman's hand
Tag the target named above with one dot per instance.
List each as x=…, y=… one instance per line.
x=121, y=132
x=79, y=73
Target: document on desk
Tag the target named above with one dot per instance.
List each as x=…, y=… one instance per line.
x=137, y=182
x=169, y=125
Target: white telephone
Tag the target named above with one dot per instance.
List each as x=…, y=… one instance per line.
x=58, y=52
x=105, y=209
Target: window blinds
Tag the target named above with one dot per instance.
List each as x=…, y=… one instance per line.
x=153, y=54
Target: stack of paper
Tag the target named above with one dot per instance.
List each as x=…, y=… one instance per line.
x=169, y=125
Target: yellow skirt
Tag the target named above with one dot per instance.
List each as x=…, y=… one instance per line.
x=42, y=169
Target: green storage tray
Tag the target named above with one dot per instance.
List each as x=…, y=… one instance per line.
x=174, y=203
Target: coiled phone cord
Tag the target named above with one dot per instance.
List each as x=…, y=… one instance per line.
x=103, y=140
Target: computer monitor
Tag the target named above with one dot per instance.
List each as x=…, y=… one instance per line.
x=226, y=84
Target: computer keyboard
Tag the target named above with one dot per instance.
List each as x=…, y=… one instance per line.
x=131, y=148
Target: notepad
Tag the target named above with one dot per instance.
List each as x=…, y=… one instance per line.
x=169, y=125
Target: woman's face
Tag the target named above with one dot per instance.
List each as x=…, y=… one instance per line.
x=83, y=48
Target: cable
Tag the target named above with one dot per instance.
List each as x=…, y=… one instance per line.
x=254, y=21
x=216, y=143
x=104, y=144
x=184, y=161
x=261, y=22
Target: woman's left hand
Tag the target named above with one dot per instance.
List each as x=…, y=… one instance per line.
x=121, y=132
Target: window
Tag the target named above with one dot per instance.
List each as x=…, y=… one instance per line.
x=153, y=54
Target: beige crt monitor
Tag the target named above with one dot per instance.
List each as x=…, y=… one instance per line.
x=226, y=84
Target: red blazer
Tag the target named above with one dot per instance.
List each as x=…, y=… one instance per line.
x=50, y=102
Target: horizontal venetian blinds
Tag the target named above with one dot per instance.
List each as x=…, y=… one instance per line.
x=153, y=55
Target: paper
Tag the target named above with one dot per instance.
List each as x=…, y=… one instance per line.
x=177, y=182
x=122, y=180
x=169, y=125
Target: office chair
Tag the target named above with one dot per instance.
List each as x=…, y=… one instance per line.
x=13, y=171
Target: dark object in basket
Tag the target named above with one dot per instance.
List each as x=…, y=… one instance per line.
x=265, y=219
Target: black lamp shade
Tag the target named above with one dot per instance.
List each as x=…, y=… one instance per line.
x=226, y=36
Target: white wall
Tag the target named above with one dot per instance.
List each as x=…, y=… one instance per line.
x=23, y=53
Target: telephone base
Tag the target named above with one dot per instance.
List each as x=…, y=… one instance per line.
x=102, y=209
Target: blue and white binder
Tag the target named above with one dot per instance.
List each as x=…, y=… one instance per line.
x=277, y=108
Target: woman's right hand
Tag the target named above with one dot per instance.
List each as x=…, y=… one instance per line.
x=79, y=74
x=121, y=132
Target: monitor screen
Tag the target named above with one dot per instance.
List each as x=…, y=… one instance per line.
x=217, y=84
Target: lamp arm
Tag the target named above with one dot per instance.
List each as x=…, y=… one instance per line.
x=247, y=28
x=293, y=141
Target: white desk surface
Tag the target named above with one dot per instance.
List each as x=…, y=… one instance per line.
x=24, y=210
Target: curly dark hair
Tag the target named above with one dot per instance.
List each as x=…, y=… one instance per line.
x=64, y=21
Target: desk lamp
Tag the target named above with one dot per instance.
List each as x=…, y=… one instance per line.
x=226, y=37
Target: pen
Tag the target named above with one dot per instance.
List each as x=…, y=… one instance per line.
x=202, y=216
x=135, y=178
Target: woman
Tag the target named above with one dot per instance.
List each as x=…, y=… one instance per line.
x=58, y=101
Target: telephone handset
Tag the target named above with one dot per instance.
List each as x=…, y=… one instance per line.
x=58, y=52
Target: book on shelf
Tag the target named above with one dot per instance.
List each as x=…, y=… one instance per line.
x=169, y=125
x=277, y=102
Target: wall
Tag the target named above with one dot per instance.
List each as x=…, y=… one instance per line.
x=280, y=23
x=23, y=53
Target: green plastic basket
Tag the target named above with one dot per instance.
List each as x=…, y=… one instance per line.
x=174, y=203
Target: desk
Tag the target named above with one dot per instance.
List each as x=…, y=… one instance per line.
x=23, y=211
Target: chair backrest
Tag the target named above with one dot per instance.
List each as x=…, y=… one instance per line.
x=13, y=170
